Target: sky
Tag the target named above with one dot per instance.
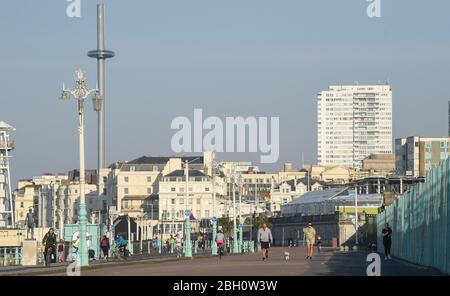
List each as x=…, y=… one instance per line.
x=229, y=58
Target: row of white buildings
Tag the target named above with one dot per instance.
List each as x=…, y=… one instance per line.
x=154, y=189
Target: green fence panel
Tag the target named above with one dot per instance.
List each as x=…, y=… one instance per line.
x=420, y=221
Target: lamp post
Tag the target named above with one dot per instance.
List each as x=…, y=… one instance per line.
x=141, y=224
x=214, y=218
x=233, y=181
x=356, y=215
x=240, y=215
x=80, y=92
x=187, y=213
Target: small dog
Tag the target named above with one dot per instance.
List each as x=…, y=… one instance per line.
x=286, y=256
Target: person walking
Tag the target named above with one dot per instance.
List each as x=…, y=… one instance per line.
x=61, y=251
x=387, y=241
x=265, y=238
x=310, y=235
x=104, y=245
x=178, y=245
x=173, y=242
x=319, y=244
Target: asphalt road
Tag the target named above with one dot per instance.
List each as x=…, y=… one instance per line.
x=328, y=263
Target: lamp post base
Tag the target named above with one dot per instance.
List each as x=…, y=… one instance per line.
x=187, y=243
x=235, y=241
x=213, y=241
x=83, y=257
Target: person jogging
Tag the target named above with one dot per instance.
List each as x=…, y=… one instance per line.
x=265, y=238
x=310, y=235
x=387, y=241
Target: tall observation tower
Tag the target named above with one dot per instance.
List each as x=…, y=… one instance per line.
x=6, y=202
x=101, y=54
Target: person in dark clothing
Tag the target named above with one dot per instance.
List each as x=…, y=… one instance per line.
x=387, y=241
x=104, y=245
x=49, y=243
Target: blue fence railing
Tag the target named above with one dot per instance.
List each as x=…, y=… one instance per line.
x=420, y=221
x=10, y=256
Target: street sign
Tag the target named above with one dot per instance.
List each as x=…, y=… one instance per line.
x=213, y=219
x=187, y=213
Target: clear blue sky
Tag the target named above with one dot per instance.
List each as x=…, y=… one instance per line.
x=230, y=58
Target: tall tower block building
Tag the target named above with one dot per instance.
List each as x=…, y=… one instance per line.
x=353, y=122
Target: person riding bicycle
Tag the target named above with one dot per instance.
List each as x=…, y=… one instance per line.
x=49, y=244
x=121, y=244
x=220, y=240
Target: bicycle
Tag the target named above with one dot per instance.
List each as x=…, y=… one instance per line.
x=221, y=250
x=48, y=256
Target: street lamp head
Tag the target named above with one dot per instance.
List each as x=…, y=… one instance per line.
x=97, y=101
x=64, y=95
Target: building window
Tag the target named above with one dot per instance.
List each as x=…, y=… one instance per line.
x=104, y=191
x=155, y=168
x=206, y=189
x=149, y=179
x=125, y=204
x=76, y=191
x=173, y=189
x=21, y=204
x=198, y=201
x=190, y=189
x=125, y=179
x=173, y=201
x=149, y=190
x=125, y=190
x=132, y=168
x=181, y=189
x=105, y=179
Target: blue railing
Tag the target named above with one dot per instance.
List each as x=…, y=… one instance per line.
x=10, y=256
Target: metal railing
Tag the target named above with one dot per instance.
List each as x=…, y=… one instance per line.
x=10, y=256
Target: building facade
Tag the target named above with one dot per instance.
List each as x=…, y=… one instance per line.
x=415, y=155
x=353, y=122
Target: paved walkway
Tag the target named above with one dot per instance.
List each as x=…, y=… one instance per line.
x=328, y=263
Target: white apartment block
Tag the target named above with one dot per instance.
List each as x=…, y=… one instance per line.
x=54, y=200
x=172, y=198
x=133, y=186
x=353, y=122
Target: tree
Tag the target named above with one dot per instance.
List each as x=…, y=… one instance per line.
x=260, y=219
x=227, y=225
